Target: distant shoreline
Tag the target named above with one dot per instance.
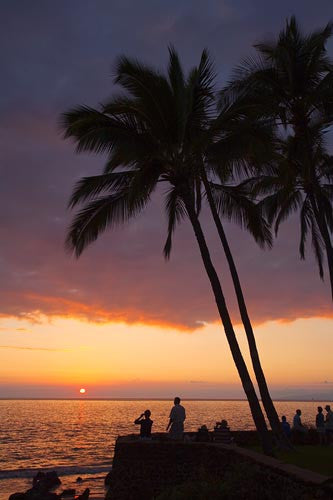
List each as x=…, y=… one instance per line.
x=162, y=399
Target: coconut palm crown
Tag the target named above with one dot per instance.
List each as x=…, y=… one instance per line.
x=291, y=81
x=162, y=129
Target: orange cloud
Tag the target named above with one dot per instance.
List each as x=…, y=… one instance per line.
x=38, y=306
x=24, y=348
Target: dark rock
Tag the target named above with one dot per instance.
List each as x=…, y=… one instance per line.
x=52, y=479
x=85, y=494
x=44, y=482
x=79, y=479
x=38, y=477
x=70, y=492
x=35, y=494
x=41, y=484
x=32, y=493
x=107, y=479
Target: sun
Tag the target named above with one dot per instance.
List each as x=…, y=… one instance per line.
x=82, y=391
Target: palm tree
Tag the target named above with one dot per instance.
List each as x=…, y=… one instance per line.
x=244, y=143
x=292, y=81
x=153, y=133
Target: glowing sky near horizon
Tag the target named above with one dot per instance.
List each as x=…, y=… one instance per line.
x=120, y=321
x=117, y=360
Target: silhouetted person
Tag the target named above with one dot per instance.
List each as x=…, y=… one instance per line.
x=222, y=433
x=145, y=423
x=329, y=424
x=320, y=425
x=202, y=435
x=285, y=426
x=299, y=430
x=176, y=422
x=297, y=423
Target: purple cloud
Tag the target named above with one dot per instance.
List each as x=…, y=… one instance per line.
x=59, y=55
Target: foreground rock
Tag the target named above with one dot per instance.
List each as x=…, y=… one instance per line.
x=70, y=492
x=42, y=483
x=85, y=495
x=107, y=479
x=32, y=494
x=45, y=481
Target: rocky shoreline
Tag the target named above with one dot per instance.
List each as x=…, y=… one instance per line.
x=42, y=485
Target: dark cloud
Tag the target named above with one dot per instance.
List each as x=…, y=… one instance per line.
x=56, y=55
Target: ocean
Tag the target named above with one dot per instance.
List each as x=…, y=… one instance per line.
x=77, y=437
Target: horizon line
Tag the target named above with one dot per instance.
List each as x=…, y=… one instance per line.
x=287, y=400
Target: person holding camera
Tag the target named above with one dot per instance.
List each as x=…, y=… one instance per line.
x=145, y=423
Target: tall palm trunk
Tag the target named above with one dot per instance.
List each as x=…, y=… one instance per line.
x=260, y=377
x=248, y=387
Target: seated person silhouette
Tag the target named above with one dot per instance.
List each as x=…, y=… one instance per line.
x=202, y=435
x=285, y=426
x=298, y=430
x=145, y=423
x=297, y=423
x=222, y=433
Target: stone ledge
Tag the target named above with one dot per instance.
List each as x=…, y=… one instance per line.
x=153, y=466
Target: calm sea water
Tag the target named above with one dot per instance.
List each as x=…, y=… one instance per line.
x=77, y=437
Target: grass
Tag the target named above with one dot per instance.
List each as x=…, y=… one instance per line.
x=312, y=457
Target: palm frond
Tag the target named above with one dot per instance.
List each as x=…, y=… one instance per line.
x=198, y=196
x=98, y=215
x=175, y=71
x=90, y=187
x=306, y=219
x=317, y=245
x=244, y=146
x=144, y=181
x=148, y=87
x=90, y=129
x=233, y=204
x=176, y=211
x=324, y=202
x=178, y=86
x=97, y=132
x=200, y=97
x=288, y=203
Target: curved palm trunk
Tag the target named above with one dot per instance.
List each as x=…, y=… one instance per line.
x=248, y=387
x=260, y=377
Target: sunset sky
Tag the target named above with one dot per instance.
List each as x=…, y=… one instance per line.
x=120, y=321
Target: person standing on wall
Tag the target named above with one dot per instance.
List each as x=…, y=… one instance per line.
x=176, y=421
